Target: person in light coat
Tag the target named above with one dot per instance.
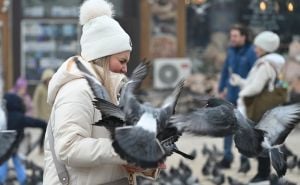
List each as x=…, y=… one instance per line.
x=264, y=76
x=85, y=149
x=41, y=108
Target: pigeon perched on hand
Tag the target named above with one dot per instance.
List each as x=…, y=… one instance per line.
x=135, y=125
x=7, y=140
x=139, y=143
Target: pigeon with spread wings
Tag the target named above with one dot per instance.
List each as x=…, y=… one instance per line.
x=133, y=125
x=220, y=118
x=138, y=142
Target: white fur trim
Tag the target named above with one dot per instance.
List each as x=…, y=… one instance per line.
x=91, y=9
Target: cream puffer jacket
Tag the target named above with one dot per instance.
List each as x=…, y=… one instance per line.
x=262, y=73
x=85, y=149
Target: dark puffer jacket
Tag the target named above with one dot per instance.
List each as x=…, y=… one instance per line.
x=16, y=118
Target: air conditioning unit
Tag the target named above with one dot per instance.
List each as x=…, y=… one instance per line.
x=167, y=72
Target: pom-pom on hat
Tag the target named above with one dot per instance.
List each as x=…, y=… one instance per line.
x=101, y=34
x=267, y=40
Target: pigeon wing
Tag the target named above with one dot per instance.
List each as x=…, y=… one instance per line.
x=97, y=88
x=109, y=109
x=216, y=121
x=168, y=106
x=138, y=75
x=278, y=122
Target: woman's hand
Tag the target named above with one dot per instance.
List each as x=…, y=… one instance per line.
x=133, y=169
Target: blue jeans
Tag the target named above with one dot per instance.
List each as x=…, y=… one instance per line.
x=19, y=167
x=227, y=148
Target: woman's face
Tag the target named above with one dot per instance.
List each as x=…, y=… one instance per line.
x=118, y=62
x=259, y=52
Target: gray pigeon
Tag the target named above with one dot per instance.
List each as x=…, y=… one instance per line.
x=134, y=125
x=7, y=140
x=232, y=181
x=215, y=119
x=276, y=124
x=220, y=118
x=138, y=143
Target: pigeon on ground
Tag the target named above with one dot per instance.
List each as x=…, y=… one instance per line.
x=217, y=152
x=291, y=162
x=245, y=165
x=7, y=140
x=275, y=180
x=232, y=181
x=208, y=166
x=206, y=150
x=218, y=177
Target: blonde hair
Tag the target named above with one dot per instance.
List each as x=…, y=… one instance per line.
x=103, y=75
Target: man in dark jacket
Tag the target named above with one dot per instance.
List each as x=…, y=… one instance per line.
x=240, y=59
x=17, y=120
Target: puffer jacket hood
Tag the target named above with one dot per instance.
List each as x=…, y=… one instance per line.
x=47, y=74
x=276, y=60
x=69, y=72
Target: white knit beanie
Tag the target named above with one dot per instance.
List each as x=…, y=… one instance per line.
x=268, y=41
x=101, y=34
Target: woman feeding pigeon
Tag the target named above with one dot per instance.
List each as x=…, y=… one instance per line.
x=263, y=88
x=77, y=151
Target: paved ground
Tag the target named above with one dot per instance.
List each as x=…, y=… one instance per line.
x=188, y=143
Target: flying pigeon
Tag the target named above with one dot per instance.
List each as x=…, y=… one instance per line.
x=7, y=140
x=139, y=143
x=265, y=137
x=212, y=120
x=220, y=118
x=134, y=125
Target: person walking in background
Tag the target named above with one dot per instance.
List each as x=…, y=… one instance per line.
x=41, y=107
x=17, y=120
x=84, y=150
x=20, y=88
x=240, y=59
x=262, y=89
